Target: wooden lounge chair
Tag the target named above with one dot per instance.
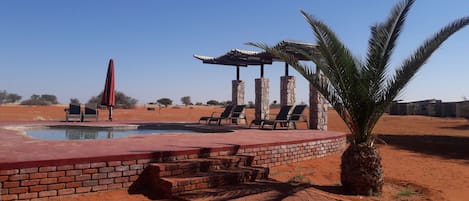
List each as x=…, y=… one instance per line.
x=282, y=115
x=295, y=116
x=226, y=113
x=73, y=111
x=237, y=115
x=91, y=111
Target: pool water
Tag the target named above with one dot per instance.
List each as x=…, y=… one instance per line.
x=95, y=133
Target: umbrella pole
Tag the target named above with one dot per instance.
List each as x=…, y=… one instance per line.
x=110, y=113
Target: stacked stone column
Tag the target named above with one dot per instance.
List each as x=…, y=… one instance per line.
x=237, y=92
x=237, y=95
x=262, y=98
x=318, y=110
x=287, y=90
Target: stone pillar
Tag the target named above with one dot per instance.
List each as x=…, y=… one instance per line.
x=237, y=92
x=262, y=98
x=287, y=90
x=317, y=110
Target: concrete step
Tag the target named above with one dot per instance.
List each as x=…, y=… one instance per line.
x=191, y=166
x=222, y=162
x=204, y=180
x=236, y=160
x=172, y=178
x=176, y=168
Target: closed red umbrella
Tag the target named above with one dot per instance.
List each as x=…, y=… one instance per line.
x=109, y=94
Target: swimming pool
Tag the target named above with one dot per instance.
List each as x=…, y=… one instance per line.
x=95, y=132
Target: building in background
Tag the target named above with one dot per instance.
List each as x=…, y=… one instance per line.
x=431, y=107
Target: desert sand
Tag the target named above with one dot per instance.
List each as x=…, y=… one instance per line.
x=424, y=158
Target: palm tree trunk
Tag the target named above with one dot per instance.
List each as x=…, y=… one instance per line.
x=361, y=170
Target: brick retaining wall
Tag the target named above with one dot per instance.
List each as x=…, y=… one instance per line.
x=40, y=183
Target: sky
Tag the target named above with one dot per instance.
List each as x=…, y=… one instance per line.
x=63, y=47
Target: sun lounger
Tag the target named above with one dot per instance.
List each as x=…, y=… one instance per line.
x=73, y=111
x=281, y=115
x=225, y=114
x=230, y=116
x=238, y=114
x=295, y=116
x=91, y=111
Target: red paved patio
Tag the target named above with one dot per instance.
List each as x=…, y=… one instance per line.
x=20, y=151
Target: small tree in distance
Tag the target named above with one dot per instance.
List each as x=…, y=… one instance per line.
x=165, y=101
x=52, y=99
x=228, y=102
x=122, y=100
x=186, y=100
x=251, y=104
x=45, y=99
x=213, y=102
x=13, y=98
x=74, y=101
x=6, y=97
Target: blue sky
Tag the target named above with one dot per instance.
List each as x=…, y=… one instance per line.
x=63, y=47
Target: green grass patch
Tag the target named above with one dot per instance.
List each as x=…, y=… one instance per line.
x=406, y=192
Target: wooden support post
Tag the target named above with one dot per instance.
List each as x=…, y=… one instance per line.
x=262, y=70
x=286, y=69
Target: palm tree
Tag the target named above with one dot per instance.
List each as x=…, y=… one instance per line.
x=361, y=90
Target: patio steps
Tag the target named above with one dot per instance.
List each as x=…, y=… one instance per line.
x=172, y=178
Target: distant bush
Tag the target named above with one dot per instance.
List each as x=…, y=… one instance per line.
x=251, y=104
x=213, y=102
x=122, y=101
x=6, y=97
x=74, y=101
x=44, y=99
x=186, y=100
x=198, y=103
x=228, y=102
x=165, y=101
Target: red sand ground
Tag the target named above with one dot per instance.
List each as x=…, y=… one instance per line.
x=424, y=158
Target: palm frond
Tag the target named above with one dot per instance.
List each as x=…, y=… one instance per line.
x=339, y=59
x=412, y=64
x=381, y=45
x=342, y=67
x=360, y=91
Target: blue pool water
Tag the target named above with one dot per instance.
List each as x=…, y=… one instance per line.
x=95, y=133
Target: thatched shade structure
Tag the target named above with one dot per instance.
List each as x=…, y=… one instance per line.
x=244, y=58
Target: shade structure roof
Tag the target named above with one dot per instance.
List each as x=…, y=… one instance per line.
x=237, y=57
x=291, y=47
